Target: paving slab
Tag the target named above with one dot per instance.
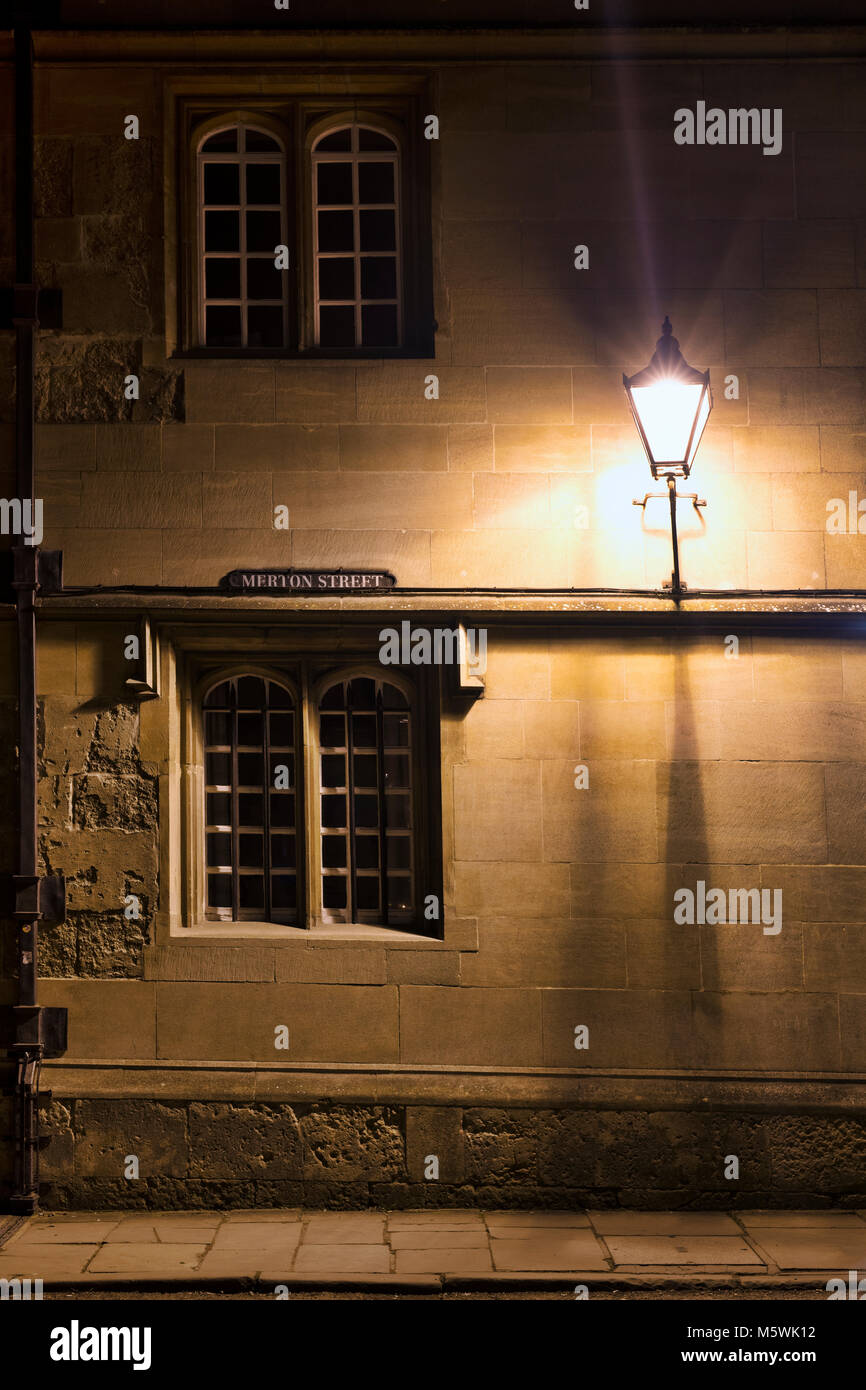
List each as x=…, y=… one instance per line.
x=43, y=1262
x=427, y=1238
x=255, y=1235
x=169, y=1232
x=343, y=1259
x=808, y=1220
x=444, y=1261
x=265, y=1214
x=41, y=1232
x=439, y=1220
x=337, y=1228
x=554, y=1219
x=570, y=1250
x=805, y=1249
x=681, y=1250
x=146, y=1259
x=664, y=1223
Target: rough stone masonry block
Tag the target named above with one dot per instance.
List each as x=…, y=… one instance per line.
x=106, y=1131
x=352, y=1143
x=244, y=1141
x=434, y=1132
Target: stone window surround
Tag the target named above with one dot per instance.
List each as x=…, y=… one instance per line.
x=305, y=106
x=189, y=662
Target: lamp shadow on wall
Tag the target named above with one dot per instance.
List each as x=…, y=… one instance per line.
x=683, y=835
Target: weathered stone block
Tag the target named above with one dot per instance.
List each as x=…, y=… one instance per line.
x=106, y=1131
x=244, y=1142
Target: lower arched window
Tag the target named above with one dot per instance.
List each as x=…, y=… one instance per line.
x=250, y=753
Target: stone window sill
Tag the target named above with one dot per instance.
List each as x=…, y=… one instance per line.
x=460, y=935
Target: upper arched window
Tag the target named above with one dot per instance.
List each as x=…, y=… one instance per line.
x=243, y=297
x=250, y=755
x=356, y=239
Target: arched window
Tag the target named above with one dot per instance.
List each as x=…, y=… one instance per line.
x=356, y=238
x=250, y=750
x=243, y=297
x=367, y=821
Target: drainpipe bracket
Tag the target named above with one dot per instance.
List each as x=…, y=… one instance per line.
x=30, y=1032
x=28, y=305
x=39, y=899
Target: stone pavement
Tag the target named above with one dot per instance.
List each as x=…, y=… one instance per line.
x=427, y=1249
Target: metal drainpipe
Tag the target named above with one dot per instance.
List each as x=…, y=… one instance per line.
x=27, y=1047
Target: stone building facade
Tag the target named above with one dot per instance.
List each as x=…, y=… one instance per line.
x=536, y=1027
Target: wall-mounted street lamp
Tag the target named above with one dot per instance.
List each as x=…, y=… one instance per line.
x=671, y=403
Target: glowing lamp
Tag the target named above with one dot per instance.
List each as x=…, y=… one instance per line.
x=671, y=403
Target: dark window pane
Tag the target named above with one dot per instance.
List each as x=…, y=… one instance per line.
x=377, y=230
x=218, y=769
x=367, y=811
x=334, y=851
x=282, y=809
x=221, y=183
x=334, y=183
x=219, y=890
x=251, y=851
x=399, y=852
x=222, y=279
x=336, y=140
x=374, y=140
x=379, y=325
x=251, y=769
x=263, y=183
x=282, y=765
x=364, y=730
x=265, y=326
x=332, y=730
x=219, y=850
x=251, y=891
x=283, y=851
x=260, y=140
x=222, y=231
x=251, y=692
x=396, y=730
x=333, y=812
x=333, y=770
x=220, y=695
x=282, y=729
x=224, y=140
x=362, y=693
x=251, y=729
x=218, y=727
x=264, y=281
x=279, y=697
x=367, y=851
x=283, y=891
x=263, y=231
x=375, y=182
x=251, y=808
x=219, y=808
x=392, y=697
x=366, y=771
x=333, y=697
x=400, y=893
x=336, y=231
x=378, y=277
x=337, y=327
x=336, y=278
x=333, y=891
x=367, y=893
x=223, y=326
x=396, y=770
x=397, y=811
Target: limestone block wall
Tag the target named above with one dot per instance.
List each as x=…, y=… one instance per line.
x=741, y=772
x=521, y=473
